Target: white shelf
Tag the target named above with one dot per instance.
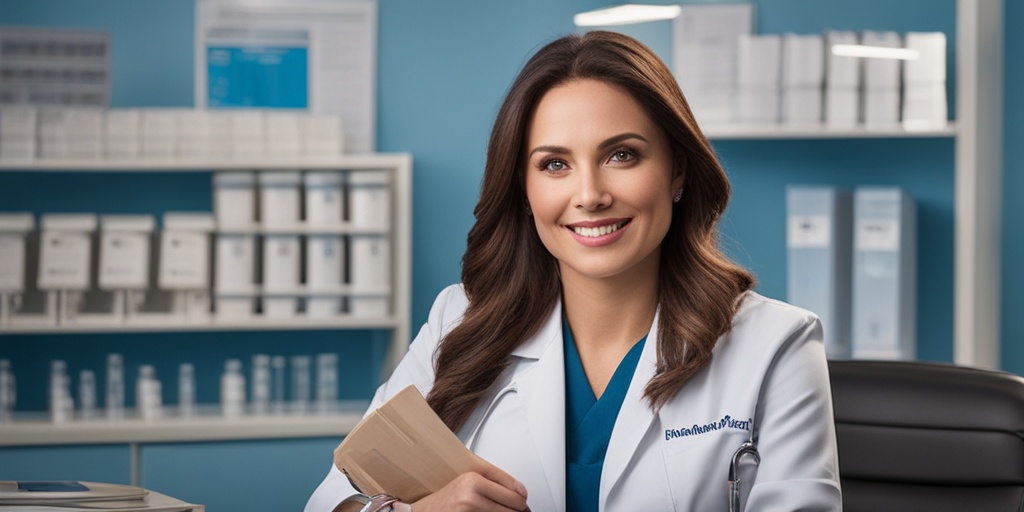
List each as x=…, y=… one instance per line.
x=209, y=427
x=177, y=325
x=780, y=131
x=347, y=162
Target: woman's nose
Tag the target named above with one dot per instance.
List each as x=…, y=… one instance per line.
x=591, y=193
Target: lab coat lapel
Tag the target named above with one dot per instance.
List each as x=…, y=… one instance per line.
x=542, y=390
x=634, y=417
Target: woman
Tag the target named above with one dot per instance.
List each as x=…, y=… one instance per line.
x=601, y=350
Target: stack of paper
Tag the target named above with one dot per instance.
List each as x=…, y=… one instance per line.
x=759, y=70
x=58, y=496
x=881, y=82
x=924, y=81
x=803, y=72
x=842, y=82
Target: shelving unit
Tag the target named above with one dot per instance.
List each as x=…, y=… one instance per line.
x=214, y=427
x=978, y=137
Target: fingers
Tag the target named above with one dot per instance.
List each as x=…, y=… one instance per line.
x=495, y=474
x=475, y=492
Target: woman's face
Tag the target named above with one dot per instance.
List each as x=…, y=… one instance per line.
x=599, y=180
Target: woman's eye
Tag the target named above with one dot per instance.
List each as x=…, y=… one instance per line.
x=554, y=166
x=622, y=156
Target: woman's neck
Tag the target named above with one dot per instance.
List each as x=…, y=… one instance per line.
x=610, y=312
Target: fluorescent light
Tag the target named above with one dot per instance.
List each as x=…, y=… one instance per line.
x=626, y=14
x=876, y=52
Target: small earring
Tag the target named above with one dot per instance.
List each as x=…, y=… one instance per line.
x=678, y=196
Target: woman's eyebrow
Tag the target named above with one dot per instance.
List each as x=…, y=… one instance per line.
x=611, y=141
x=558, y=150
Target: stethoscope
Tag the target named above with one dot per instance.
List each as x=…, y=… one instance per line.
x=743, y=467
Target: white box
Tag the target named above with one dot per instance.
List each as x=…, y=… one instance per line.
x=881, y=107
x=322, y=136
x=185, y=251
x=281, y=263
x=318, y=306
x=369, y=198
x=53, y=133
x=234, y=200
x=194, y=134
x=759, y=68
x=221, y=141
x=14, y=228
x=247, y=129
x=159, y=132
x=371, y=264
x=842, y=107
x=235, y=263
x=819, y=240
x=841, y=71
x=803, y=60
x=368, y=306
x=283, y=134
x=280, y=307
x=18, y=126
x=230, y=308
x=124, y=252
x=884, y=274
x=123, y=133
x=325, y=262
x=802, y=105
x=85, y=128
x=705, y=57
x=924, y=106
x=930, y=66
x=279, y=199
x=325, y=198
x=65, y=252
x=882, y=73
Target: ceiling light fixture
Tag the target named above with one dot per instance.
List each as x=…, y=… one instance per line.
x=626, y=14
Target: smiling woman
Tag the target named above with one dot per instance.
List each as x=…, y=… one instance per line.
x=597, y=316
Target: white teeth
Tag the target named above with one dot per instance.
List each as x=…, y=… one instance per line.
x=598, y=231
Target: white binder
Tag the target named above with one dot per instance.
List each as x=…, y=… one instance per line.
x=818, y=256
x=884, y=274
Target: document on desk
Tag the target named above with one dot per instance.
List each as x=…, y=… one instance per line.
x=405, y=450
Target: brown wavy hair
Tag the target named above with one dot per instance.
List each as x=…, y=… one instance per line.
x=511, y=279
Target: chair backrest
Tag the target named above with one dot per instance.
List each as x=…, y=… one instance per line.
x=929, y=437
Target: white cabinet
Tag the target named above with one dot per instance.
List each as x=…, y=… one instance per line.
x=394, y=318
x=978, y=136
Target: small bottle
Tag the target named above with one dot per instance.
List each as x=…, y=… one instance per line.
x=232, y=389
x=186, y=390
x=87, y=394
x=277, y=364
x=300, y=384
x=115, y=387
x=326, y=382
x=8, y=391
x=148, y=393
x=62, y=406
x=260, y=384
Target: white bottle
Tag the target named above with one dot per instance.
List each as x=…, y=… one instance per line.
x=300, y=384
x=87, y=394
x=148, y=394
x=260, y=384
x=232, y=389
x=115, y=387
x=8, y=391
x=326, y=382
x=277, y=363
x=186, y=390
x=62, y=406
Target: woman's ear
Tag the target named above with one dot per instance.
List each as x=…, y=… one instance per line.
x=678, y=171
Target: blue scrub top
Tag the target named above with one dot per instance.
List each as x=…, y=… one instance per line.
x=589, y=422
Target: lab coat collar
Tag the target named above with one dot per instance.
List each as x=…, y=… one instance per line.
x=542, y=389
x=634, y=419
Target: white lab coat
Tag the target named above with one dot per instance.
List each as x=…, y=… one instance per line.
x=654, y=459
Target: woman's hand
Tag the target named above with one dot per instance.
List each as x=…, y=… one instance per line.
x=487, y=490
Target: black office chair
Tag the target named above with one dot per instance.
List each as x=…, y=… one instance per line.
x=928, y=437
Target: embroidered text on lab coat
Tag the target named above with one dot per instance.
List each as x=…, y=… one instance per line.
x=726, y=422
